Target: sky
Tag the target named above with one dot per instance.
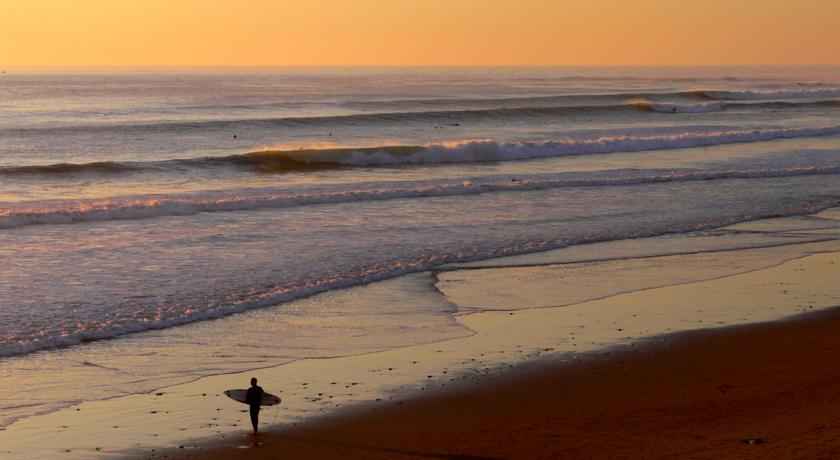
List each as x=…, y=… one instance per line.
x=419, y=32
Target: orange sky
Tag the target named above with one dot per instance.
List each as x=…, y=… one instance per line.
x=419, y=32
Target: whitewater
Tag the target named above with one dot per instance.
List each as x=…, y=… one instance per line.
x=136, y=204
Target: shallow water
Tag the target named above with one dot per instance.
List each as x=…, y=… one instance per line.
x=514, y=311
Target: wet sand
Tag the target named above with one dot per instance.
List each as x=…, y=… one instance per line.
x=587, y=352
x=696, y=394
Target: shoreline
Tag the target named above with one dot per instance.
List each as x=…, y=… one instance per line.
x=522, y=400
x=316, y=391
x=765, y=390
x=484, y=261
x=428, y=254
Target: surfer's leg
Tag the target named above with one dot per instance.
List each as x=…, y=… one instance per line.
x=255, y=418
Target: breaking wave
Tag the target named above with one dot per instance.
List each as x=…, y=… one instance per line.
x=473, y=151
x=150, y=206
x=467, y=151
x=80, y=332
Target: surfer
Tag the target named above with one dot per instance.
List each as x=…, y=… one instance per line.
x=253, y=398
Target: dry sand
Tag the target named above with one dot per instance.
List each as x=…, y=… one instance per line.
x=762, y=390
x=698, y=394
x=608, y=377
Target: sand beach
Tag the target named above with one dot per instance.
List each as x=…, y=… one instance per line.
x=678, y=345
x=459, y=230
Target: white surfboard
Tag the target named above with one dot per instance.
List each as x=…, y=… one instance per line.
x=268, y=399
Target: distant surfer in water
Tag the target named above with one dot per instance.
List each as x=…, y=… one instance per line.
x=253, y=398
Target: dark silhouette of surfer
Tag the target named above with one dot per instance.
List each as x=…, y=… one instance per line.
x=253, y=397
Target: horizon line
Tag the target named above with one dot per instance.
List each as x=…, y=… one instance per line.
x=112, y=66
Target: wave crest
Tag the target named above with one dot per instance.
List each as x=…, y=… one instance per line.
x=150, y=206
x=488, y=150
x=464, y=151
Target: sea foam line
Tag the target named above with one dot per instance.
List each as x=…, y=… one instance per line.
x=488, y=150
x=464, y=151
x=144, y=207
x=131, y=324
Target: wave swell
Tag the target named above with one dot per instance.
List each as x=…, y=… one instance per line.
x=443, y=111
x=467, y=151
x=771, y=95
x=143, y=207
x=121, y=326
x=484, y=150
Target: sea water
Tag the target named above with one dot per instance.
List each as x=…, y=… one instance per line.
x=136, y=205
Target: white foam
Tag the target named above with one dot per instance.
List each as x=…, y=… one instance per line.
x=486, y=150
x=73, y=332
x=151, y=206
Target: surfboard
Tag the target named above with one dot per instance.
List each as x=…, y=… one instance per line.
x=239, y=394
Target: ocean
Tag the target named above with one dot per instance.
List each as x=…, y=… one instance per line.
x=160, y=225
